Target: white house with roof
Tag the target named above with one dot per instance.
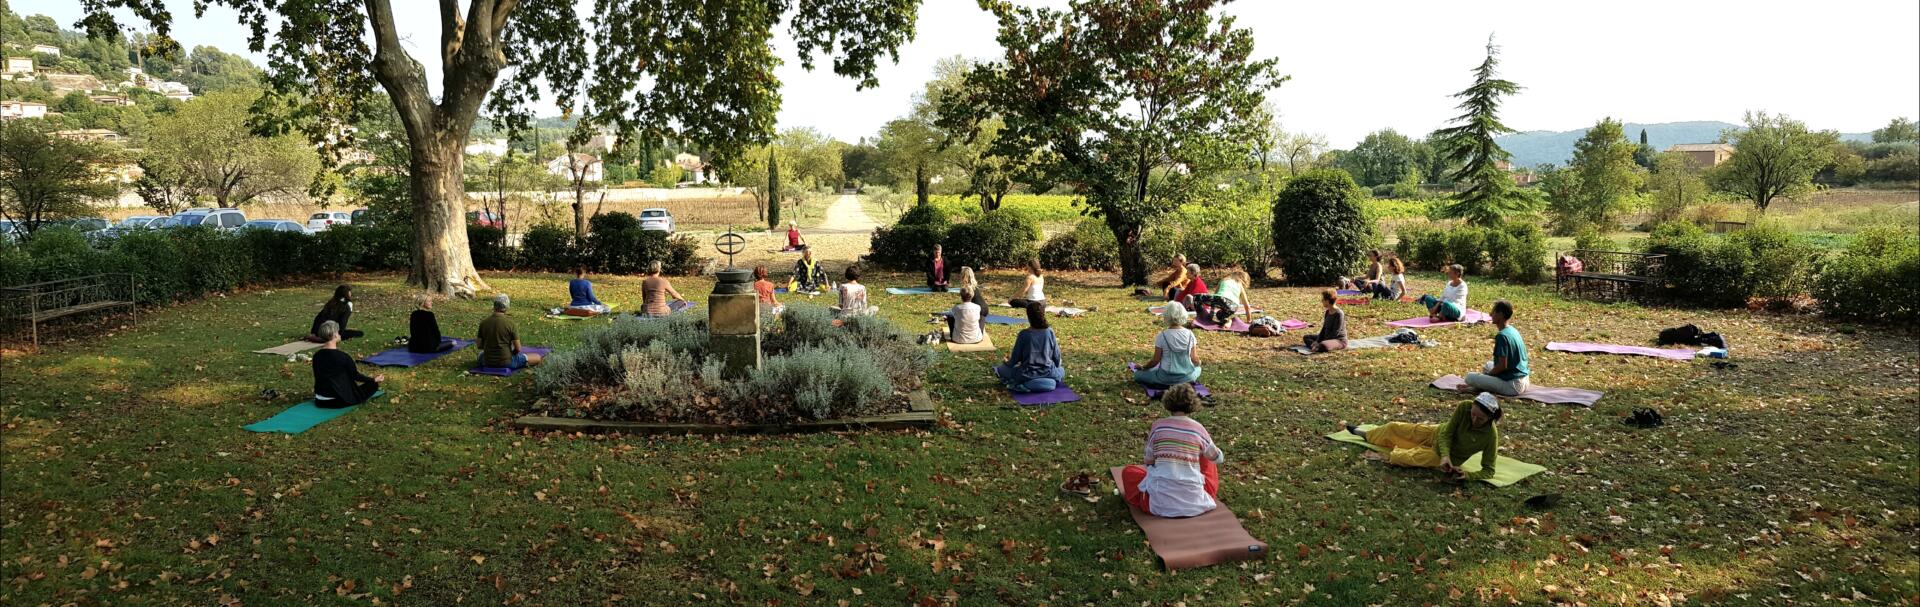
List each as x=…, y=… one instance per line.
x=570, y=166
x=19, y=65
x=487, y=147
x=15, y=108
x=44, y=49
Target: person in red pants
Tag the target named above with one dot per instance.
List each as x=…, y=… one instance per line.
x=1179, y=476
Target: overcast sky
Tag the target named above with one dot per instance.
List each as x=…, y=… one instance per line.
x=1362, y=66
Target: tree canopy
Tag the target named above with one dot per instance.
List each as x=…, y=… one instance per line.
x=45, y=178
x=1490, y=194
x=1384, y=157
x=208, y=144
x=1773, y=156
x=1603, y=179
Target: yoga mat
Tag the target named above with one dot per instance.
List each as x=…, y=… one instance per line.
x=1551, y=396
x=1185, y=543
x=400, y=357
x=290, y=348
x=1421, y=322
x=1294, y=324
x=1586, y=348
x=299, y=418
x=1347, y=292
x=985, y=345
x=1235, y=325
x=1056, y=310
x=503, y=371
x=1162, y=309
x=673, y=307
x=914, y=291
x=992, y=319
x=1154, y=393
x=1062, y=394
x=1507, y=472
x=1361, y=301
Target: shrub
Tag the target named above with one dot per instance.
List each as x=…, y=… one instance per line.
x=1778, y=263
x=1518, y=252
x=1593, y=240
x=1221, y=234
x=1422, y=248
x=905, y=246
x=277, y=253
x=336, y=251
x=1875, y=279
x=1709, y=271
x=1464, y=245
x=1319, y=230
x=616, y=244
x=1000, y=239
x=925, y=214
x=1397, y=190
x=1089, y=246
x=489, y=247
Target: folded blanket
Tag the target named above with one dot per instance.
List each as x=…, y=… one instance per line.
x=400, y=357
x=1582, y=347
x=1196, y=541
x=290, y=348
x=299, y=418
x=506, y=372
x=1509, y=470
x=985, y=345
x=1421, y=322
x=1062, y=394
x=1551, y=396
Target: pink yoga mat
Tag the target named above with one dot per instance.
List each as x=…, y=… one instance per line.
x=1421, y=322
x=1551, y=396
x=1236, y=325
x=1185, y=543
x=1588, y=348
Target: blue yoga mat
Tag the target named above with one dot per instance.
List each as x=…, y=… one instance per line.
x=912, y=291
x=299, y=418
x=992, y=319
x=400, y=357
x=506, y=372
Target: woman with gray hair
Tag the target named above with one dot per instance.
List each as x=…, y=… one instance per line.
x=654, y=291
x=337, y=381
x=1173, y=362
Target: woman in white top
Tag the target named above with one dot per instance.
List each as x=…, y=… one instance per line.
x=1173, y=362
x=853, y=296
x=964, y=324
x=1451, y=305
x=1035, y=288
x=1395, y=285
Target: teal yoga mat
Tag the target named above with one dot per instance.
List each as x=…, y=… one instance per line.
x=1509, y=471
x=299, y=418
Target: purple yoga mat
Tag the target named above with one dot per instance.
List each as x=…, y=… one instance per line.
x=1055, y=396
x=1347, y=292
x=1586, y=348
x=503, y=371
x=1236, y=325
x=400, y=357
x=1551, y=396
x=1153, y=393
x=1421, y=322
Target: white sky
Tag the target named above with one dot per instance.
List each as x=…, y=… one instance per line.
x=1361, y=66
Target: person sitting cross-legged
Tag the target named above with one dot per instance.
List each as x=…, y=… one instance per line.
x=423, y=330
x=1451, y=305
x=794, y=241
x=580, y=293
x=763, y=292
x=1333, y=326
x=338, y=309
x=963, y=321
x=1034, y=365
x=1472, y=429
x=655, y=291
x=808, y=276
x=1507, y=374
x=1173, y=362
x=853, y=296
x=500, y=342
x=1179, y=475
x=337, y=381
x=937, y=272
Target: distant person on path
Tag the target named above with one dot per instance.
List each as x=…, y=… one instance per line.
x=794, y=241
x=337, y=381
x=1175, y=278
x=1034, y=365
x=1507, y=374
x=763, y=291
x=655, y=291
x=937, y=272
x=1220, y=306
x=1472, y=429
x=853, y=296
x=1451, y=305
x=964, y=322
x=500, y=342
x=580, y=290
x=1333, y=326
x=423, y=330
x=808, y=277
x=1032, y=291
x=1173, y=362
x=338, y=309
x=1179, y=473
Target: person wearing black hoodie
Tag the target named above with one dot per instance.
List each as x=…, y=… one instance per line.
x=337, y=382
x=338, y=309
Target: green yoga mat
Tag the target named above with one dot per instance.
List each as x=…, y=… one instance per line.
x=1510, y=470
x=299, y=418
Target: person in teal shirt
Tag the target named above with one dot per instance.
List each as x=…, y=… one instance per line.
x=1507, y=374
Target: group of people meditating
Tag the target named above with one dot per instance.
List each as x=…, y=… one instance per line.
x=657, y=295
x=337, y=381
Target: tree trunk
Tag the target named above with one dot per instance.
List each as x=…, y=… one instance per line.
x=442, y=263
x=579, y=217
x=920, y=185
x=1133, y=262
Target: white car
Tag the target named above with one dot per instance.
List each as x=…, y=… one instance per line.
x=657, y=220
x=226, y=219
x=327, y=219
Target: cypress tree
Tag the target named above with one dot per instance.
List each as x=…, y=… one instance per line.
x=773, y=191
x=1490, y=194
x=1643, y=138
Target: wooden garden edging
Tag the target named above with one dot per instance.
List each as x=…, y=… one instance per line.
x=920, y=415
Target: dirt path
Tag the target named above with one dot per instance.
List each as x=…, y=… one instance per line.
x=846, y=217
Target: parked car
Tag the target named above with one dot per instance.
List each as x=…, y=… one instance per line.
x=141, y=222
x=327, y=219
x=277, y=225
x=656, y=219
x=359, y=217
x=486, y=219
x=219, y=219
x=9, y=230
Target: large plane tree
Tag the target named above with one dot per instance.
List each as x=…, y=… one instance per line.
x=699, y=70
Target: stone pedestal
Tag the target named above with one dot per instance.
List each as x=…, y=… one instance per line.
x=733, y=322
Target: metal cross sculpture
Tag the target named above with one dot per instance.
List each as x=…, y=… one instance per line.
x=730, y=244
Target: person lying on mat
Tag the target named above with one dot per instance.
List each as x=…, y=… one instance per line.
x=1333, y=326
x=1220, y=306
x=1034, y=290
x=1173, y=363
x=1395, y=285
x=1175, y=278
x=337, y=381
x=794, y=241
x=338, y=309
x=1507, y=374
x=423, y=330
x=1365, y=283
x=964, y=321
x=1451, y=305
x=655, y=290
x=1472, y=429
x=581, y=291
x=1195, y=287
x=937, y=272
x=1179, y=475
x=1034, y=365
x=500, y=342
x=853, y=296
x=808, y=276
x=763, y=290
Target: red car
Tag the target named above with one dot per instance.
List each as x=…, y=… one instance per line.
x=486, y=219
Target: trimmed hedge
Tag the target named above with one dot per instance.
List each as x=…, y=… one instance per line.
x=1875, y=279
x=1319, y=227
x=1089, y=246
x=1003, y=238
x=1516, y=251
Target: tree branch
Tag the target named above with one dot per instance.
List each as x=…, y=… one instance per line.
x=403, y=77
x=452, y=29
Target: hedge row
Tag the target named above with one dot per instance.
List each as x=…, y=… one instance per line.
x=1516, y=252
x=1001, y=239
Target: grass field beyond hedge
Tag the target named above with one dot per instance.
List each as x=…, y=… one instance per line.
x=1789, y=480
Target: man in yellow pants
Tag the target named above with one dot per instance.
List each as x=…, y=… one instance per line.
x=1471, y=430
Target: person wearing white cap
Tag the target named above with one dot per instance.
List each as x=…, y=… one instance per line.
x=1472, y=429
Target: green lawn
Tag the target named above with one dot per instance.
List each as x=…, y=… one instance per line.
x=127, y=478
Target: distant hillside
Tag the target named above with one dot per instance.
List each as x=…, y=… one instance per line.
x=1534, y=148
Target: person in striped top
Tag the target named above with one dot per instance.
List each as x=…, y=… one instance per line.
x=1179, y=475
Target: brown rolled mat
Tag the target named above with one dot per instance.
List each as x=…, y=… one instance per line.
x=1184, y=543
x=985, y=345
